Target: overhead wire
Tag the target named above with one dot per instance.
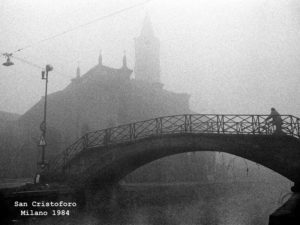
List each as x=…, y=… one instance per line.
x=2, y=53
x=68, y=31
x=84, y=24
x=38, y=66
x=28, y=62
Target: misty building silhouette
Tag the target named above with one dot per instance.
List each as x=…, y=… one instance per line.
x=106, y=97
x=147, y=54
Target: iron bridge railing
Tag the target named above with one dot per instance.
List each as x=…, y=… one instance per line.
x=188, y=123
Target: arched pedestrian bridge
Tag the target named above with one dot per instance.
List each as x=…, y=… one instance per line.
x=106, y=156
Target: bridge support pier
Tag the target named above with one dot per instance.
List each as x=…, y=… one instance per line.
x=289, y=213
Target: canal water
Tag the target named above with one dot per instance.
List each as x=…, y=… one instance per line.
x=236, y=203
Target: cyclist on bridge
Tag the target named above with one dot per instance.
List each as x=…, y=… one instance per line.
x=276, y=120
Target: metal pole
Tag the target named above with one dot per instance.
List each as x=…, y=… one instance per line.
x=48, y=68
x=45, y=119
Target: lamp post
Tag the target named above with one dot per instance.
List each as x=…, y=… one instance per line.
x=43, y=125
x=8, y=62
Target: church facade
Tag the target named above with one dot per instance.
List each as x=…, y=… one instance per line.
x=105, y=97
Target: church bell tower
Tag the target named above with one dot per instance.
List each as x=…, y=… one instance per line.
x=147, y=62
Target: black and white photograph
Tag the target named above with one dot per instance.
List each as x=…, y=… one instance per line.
x=149, y=112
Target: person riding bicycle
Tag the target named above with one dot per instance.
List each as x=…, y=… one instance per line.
x=276, y=120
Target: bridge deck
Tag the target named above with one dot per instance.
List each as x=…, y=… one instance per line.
x=179, y=124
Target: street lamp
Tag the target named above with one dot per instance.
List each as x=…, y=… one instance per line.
x=8, y=62
x=43, y=125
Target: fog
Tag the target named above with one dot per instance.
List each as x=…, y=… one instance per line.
x=233, y=56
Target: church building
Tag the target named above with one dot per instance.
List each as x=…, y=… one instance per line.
x=105, y=97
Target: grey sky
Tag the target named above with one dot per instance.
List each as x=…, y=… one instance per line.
x=233, y=56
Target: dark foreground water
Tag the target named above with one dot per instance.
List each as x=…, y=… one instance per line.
x=180, y=204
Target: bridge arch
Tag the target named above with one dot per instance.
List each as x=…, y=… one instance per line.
x=109, y=165
x=107, y=156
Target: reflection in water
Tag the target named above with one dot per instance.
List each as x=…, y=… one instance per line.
x=184, y=204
